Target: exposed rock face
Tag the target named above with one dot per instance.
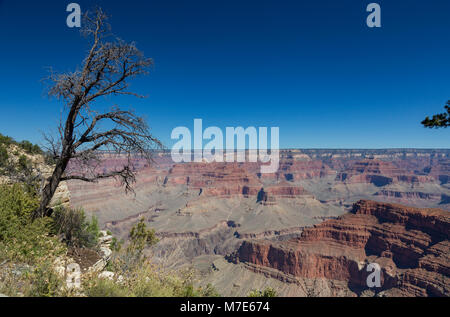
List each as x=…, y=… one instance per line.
x=410, y=244
x=268, y=196
x=408, y=195
x=214, y=179
x=229, y=179
x=416, y=198
x=293, y=170
x=269, y=233
x=203, y=174
x=204, y=210
x=61, y=196
x=93, y=196
x=296, y=166
x=379, y=173
x=38, y=167
x=440, y=170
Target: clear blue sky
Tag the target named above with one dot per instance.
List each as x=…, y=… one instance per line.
x=312, y=68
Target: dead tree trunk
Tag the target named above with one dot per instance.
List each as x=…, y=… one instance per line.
x=49, y=190
x=104, y=72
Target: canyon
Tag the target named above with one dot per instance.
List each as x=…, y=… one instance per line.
x=308, y=229
x=410, y=244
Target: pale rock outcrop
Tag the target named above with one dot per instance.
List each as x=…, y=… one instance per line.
x=66, y=267
x=106, y=275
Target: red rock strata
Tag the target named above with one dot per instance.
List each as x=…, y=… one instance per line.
x=199, y=175
x=90, y=194
x=379, y=173
x=410, y=244
x=269, y=194
x=229, y=179
x=408, y=196
x=292, y=170
x=440, y=170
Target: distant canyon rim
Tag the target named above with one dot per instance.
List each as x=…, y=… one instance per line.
x=308, y=229
x=214, y=150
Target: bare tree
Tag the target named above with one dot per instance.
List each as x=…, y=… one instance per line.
x=86, y=133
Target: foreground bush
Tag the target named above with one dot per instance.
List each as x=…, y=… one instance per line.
x=28, y=250
x=39, y=280
x=16, y=206
x=21, y=239
x=267, y=292
x=136, y=276
x=146, y=280
x=74, y=228
x=4, y=156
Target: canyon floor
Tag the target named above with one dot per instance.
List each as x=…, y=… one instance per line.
x=214, y=217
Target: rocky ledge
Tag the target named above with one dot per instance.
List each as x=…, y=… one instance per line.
x=379, y=173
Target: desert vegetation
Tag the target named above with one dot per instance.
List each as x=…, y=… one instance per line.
x=136, y=276
x=267, y=292
x=30, y=247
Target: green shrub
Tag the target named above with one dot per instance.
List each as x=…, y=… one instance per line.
x=146, y=280
x=23, y=163
x=139, y=277
x=36, y=243
x=140, y=236
x=116, y=245
x=3, y=156
x=209, y=291
x=27, y=246
x=132, y=255
x=6, y=140
x=105, y=288
x=16, y=206
x=12, y=280
x=74, y=228
x=27, y=146
x=44, y=282
x=30, y=148
x=20, y=238
x=39, y=280
x=33, y=242
x=268, y=292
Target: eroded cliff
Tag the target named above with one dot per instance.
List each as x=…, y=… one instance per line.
x=411, y=245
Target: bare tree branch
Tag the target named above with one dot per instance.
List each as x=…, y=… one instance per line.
x=106, y=70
